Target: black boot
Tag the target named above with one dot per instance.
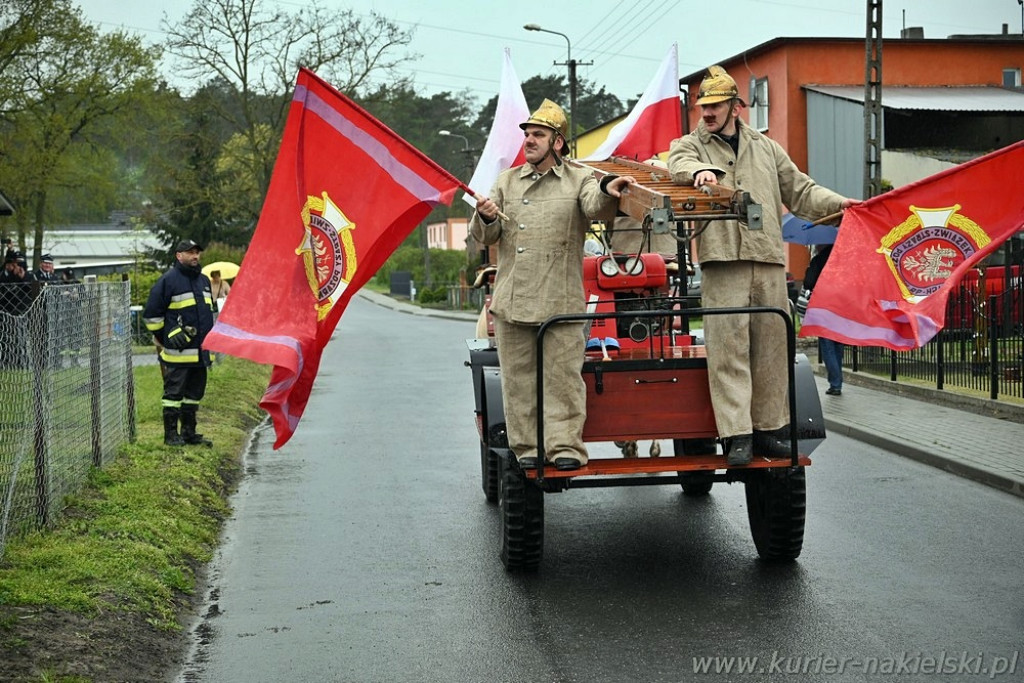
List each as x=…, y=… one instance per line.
x=171, y=437
x=772, y=444
x=188, y=427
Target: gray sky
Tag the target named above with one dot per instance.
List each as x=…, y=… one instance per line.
x=461, y=41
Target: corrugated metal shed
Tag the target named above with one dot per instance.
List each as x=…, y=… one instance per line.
x=941, y=98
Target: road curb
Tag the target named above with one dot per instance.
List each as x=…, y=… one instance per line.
x=968, y=470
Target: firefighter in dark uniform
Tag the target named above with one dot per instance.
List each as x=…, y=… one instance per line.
x=179, y=313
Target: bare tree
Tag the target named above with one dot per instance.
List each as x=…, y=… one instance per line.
x=71, y=78
x=256, y=51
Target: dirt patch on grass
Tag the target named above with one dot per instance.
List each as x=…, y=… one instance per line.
x=45, y=644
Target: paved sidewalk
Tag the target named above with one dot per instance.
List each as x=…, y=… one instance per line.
x=957, y=439
x=973, y=438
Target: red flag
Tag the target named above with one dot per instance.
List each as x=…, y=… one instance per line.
x=504, y=146
x=655, y=121
x=899, y=254
x=344, y=194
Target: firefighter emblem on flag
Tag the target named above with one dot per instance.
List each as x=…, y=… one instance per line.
x=923, y=251
x=327, y=251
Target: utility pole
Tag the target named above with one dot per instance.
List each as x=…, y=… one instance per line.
x=572, y=64
x=873, y=101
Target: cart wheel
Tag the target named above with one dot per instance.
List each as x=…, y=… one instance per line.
x=489, y=472
x=776, y=506
x=695, y=483
x=522, y=518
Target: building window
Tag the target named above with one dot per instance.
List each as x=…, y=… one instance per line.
x=1011, y=78
x=759, y=103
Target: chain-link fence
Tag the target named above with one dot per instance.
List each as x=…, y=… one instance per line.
x=67, y=394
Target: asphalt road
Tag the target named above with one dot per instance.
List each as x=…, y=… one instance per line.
x=364, y=551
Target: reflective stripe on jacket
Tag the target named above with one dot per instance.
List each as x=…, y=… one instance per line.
x=180, y=298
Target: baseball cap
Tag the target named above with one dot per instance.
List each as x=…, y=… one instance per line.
x=187, y=245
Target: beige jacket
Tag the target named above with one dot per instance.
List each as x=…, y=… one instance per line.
x=761, y=168
x=540, y=247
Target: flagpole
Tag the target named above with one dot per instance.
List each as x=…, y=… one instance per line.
x=828, y=219
x=468, y=190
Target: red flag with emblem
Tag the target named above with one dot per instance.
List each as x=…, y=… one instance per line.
x=344, y=194
x=898, y=255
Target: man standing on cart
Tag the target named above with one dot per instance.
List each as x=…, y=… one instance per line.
x=549, y=206
x=747, y=354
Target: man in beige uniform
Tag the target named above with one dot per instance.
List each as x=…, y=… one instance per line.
x=549, y=206
x=745, y=267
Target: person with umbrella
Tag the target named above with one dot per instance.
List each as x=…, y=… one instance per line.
x=830, y=351
x=219, y=274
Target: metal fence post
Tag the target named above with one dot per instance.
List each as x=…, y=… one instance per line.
x=993, y=348
x=95, y=375
x=129, y=373
x=37, y=354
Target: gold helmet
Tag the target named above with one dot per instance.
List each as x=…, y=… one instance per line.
x=549, y=115
x=717, y=86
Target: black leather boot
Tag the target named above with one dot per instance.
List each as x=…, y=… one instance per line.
x=171, y=437
x=188, y=427
x=773, y=444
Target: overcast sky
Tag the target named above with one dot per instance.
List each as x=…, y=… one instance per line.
x=461, y=41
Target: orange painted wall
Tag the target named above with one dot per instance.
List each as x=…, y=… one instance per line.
x=790, y=64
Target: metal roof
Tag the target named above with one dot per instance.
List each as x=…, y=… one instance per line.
x=979, y=98
x=83, y=246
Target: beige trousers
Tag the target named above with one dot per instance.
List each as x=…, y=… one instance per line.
x=565, y=394
x=746, y=352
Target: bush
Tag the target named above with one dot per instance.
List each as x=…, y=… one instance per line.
x=433, y=295
x=445, y=266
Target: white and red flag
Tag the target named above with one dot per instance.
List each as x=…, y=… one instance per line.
x=345, y=192
x=655, y=121
x=504, y=146
x=898, y=255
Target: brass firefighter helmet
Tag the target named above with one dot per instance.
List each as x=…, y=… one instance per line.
x=549, y=115
x=717, y=86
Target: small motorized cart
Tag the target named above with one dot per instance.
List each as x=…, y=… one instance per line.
x=647, y=378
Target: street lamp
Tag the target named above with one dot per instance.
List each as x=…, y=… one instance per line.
x=571, y=63
x=466, y=149
x=465, y=140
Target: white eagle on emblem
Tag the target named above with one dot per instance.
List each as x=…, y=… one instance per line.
x=932, y=264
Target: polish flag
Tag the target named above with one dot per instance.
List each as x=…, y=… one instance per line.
x=655, y=121
x=504, y=146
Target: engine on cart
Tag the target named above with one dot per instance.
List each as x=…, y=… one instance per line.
x=631, y=282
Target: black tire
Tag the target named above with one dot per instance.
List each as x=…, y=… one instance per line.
x=777, y=506
x=489, y=473
x=522, y=519
x=695, y=446
x=695, y=482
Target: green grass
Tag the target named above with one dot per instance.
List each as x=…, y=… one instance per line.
x=134, y=537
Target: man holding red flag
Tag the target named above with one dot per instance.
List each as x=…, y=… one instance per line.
x=747, y=357
x=549, y=206
x=344, y=194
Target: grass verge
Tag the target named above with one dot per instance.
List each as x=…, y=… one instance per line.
x=130, y=544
